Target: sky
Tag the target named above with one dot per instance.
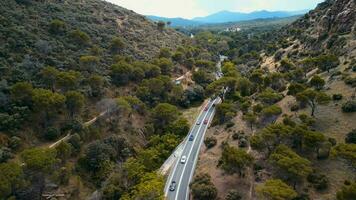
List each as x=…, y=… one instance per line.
x=197, y=8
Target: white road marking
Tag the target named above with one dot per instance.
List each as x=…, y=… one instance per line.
x=190, y=152
x=185, y=145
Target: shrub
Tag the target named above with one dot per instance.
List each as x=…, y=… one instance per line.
x=350, y=81
x=80, y=37
x=351, y=137
x=235, y=136
x=294, y=108
x=210, y=142
x=337, y=97
x=57, y=26
x=243, y=143
x=230, y=124
x=349, y=106
x=51, y=133
x=233, y=195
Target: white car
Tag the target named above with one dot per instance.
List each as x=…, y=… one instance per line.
x=183, y=159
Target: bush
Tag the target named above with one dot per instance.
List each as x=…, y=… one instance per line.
x=57, y=26
x=294, y=108
x=230, y=124
x=51, y=133
x=351, y=137
x=210, y=142
x=349, y=106
x=337, y=97
x=233, y=195
x=235, y=136
x=243, y=143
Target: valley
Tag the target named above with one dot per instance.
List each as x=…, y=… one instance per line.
x=99, y=102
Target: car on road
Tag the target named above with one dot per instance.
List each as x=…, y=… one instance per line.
x=206, y=121
x=183, y=159
x=198, y=122
x=173, y=185
x=206, y=108
x=214, y=105
x=191, y=137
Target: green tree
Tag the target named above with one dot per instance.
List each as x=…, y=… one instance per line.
x=22, y=92
x=39, y=159
x=202, y=188
x=134, y=170
x=121, y=73
x=347, y=192
x=269, y=96
x=312, y=98
x=165, y=65
x=116, y=45
x=80, y=37
x=225, y=112
x=49, y=76
x=290, y=165
x=150, y=188
x=165, y=53
x=163, y=115
x=351, y=137
x=235, y=160
x=317, y=82
x=347, y=152
x=275, y=189
x=57, y=26
x=68, y=80
x=295, y=88
x=89, y=63
x=47, y=102
x=233, y=195
x=96, y=83
x=75, y=102
x=251, y=119
x=10, y=176
x=202, y=77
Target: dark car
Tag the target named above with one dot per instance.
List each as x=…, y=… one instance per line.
x=191, y=137
x=206, y=121
x=173, y=185
x=206, y=108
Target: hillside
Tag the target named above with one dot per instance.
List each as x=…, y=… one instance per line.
x=47, y=28
x=88, y=102
x=287, y=121
x=228, y=16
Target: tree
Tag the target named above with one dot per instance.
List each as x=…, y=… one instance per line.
x=150, y=188
x=290, y=165
x=165, y=53
x=233, y=195
x=165, y=64
x=202, y=188
x=210, y=142
x=116, y=45
x=80, y=37
x=269, y=137
x=180, y=127
x=57, y=26
x=75, y=102
x=269, y=114
x=89, y=63
x=317, y=82
x=68, y=80
x=49, y=76
x=347, y=192
x=96, y=83
x=39, y=159
x=351, y=137
x=47, y=102
x=163, y=115
x=251, y=119
x=275, y=189
x=21, y=92
x=313, y=98
x=225, y=112
x=269, y=96
x=295, y=88
x=121, y=73
x=235, y=160
x=203, y=78
x=161, y=25
x=10, y=176
x=347, y=152
x=327, y=62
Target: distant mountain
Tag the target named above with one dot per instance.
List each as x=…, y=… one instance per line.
x=228, y=16
x=175, y=22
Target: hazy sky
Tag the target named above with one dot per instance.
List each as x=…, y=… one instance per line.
x=195, y=8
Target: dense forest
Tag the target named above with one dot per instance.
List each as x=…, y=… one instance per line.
x=90, y=106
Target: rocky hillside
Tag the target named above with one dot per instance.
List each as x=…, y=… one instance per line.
x=331, y=26
x=36, y=33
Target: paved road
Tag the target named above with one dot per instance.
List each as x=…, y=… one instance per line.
x=182, y=173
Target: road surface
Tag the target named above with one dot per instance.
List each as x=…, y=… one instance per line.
x=182, y=173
